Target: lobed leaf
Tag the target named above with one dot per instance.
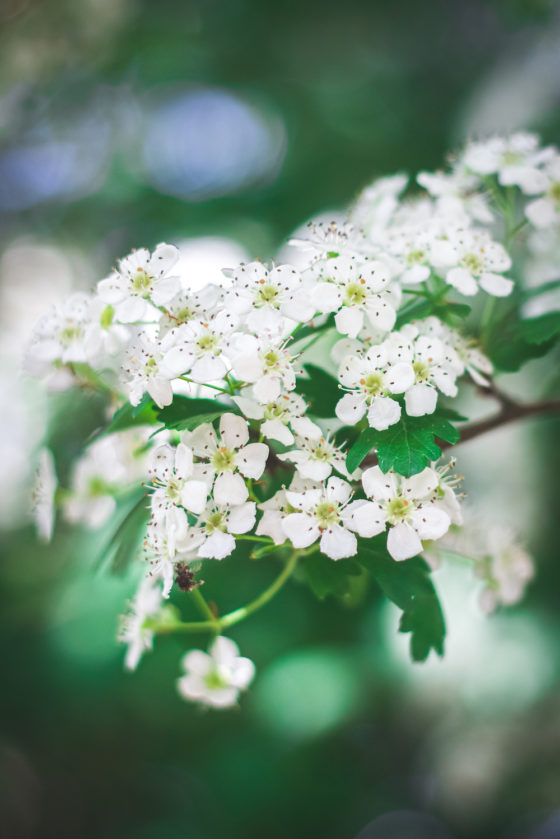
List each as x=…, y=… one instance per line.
x=186, y=413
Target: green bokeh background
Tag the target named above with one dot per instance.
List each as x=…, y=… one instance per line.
x=339, y=731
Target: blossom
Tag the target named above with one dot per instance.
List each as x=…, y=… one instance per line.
x=316, y=456
x=133, y=632
x=465, y=356
x=199, y=347
x=43, y=495
x=227, y=457
x=408, y=506
x=545, y=211
x=186, y=306
x=516, y=160
x=478, y=261
x=173, y=475
x=264, y=297
x=328, y=240
x=59, y=338
x=146, y=371
x=355, y=290
x=215, y=678
x=265, y=364
x=213, y=535
x=324, y=514
x=506, y=568
x=140, y=280
x=371, y=380
x=280, y=417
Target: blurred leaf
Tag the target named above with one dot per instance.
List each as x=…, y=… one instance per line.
x=511, y=344
x=129, y=415
x=408, y=584
x=326, y=577
x=321, y=391
x=542, y=329
x=185, y=413
x=124, y=543
x=541, y=289
x=406, y=446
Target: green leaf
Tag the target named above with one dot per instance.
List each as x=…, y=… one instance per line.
x=414, y=312
x=406, y=446
x=542, y=329
x=528, y=293
x=408, y=584
x=320, y=389
x=326, y=577
x=125, y=542
x=185, y=413
x=513, y=342
x=129, y=415
x=361, y=448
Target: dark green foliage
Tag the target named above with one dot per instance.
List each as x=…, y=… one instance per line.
x=124, y=544
x=187, y=414
x=320, y=389
x=326, y=577
x=145, y=413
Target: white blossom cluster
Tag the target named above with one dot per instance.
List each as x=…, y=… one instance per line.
x=142, y=331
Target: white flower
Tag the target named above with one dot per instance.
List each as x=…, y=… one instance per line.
x=465, y=357
x=506, y=569
x=419, y=247
x=140, y=280
x=60, y=337
x=215, y=678
x=146, y=604
x=227, y=457
x=478, y=261
x=145, y=371
x=316, y=456
x=109, y=465
x=408, y=506
x=173, y=475
x=434, y=364
x=377, y=203
x=325, y=514
x=456, y=193
x=199, y=348
x=43, y=495
x=265, y=364
x=187, y=306
x=372, y=379
x=516, y=160
x=545, y=211
x=327, y=240
x=355, y=290
x=213, y=535
x=265, y=297
x=278, y=415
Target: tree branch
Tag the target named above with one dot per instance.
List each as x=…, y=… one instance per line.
x=510, y=412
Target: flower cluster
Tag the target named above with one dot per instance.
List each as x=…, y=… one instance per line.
x=376, y=306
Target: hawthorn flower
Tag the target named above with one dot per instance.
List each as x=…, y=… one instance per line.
x=316, y=456
x=215, y=678
x=328, y=240
x=60, y=337
x=371, y=380
x=356, y=290
x=479, y=261
x=419, y=248
x=456, y=193
x=166, y=544
x=505, y=568
x=515, y=160
x=213, y=535
x=140, y=280
x=147, y=603
x=43, y=495
x=145, y=371
x=466, y=355
x=173, y=476
x=376, y=205
x=266, y=365
x=545, y=211
x=324, y=514
x=408, y=506
x=228, y=459
x=265, y=297
x=280, y=417
x=187, y=306
x=199, y=348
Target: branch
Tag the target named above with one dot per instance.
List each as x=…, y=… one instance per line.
x=510, y=411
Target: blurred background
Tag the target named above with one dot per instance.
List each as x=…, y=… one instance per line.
x=222, y=126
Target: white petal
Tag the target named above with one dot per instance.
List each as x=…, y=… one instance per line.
x=194, y=495
x=381, y=314
x=338, y=543
x=317, y=470
x=349, y=321
x=351, y=408
x=276, y=430
x=267, y=389
x=378, y=485
x=365, y=517
x=400, y=377
x=208, y=370
x=217, y=546
x=234, y=431
x=403, y=542
x=197, y=661
x=183, y=461
x=300, y=529
x=178, y=360
x=243, y=673
x=248, y=368
x=251, y=459
x=338, y=490
x=242, y=518
x=230, y=489
x=130, y=309
x=420, y=400
x=165, y=290
x=430, y=522
x=421, y=484
x=249, y=408
x=160, y=391
x=462, y=280
x=383, y=412
x=202, y=440
x=326, y=297
x=496, y=284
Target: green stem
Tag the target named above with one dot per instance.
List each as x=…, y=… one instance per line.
x=202, y=605
x=214, y=387
x=217, y=624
